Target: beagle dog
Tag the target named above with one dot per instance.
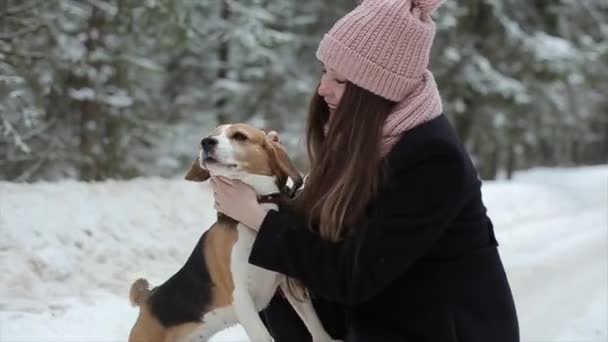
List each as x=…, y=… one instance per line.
x=217, y=287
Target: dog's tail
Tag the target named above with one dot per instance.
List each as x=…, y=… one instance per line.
x=140, y=291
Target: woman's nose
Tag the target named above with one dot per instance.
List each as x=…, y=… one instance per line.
x=323, y=89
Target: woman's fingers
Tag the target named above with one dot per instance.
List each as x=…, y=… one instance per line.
x=274, y=136
x=223, y=180
x=223, y=189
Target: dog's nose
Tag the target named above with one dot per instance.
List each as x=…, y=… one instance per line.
x=208, y=143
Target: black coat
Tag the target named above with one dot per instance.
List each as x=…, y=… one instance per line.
x=424, y=265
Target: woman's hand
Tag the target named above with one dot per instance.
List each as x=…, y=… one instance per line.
x=274, y=136
x=238, y=201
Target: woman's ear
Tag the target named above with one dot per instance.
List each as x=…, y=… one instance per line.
x=197, y=173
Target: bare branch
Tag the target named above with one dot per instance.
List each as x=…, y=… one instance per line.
x=21, y=8
x=109, y=8
x=17, y=140
x=593, y=14
x=27, y=174
x=41, y=129
x=25, y=54
x=11, y=36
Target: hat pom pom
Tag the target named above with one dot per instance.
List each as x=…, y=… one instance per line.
x=427, y=7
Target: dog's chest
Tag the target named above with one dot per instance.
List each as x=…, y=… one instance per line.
x=261, y=283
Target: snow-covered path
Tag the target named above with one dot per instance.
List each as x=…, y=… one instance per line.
x=558, y=285
x=556, y=252
x=69, y=251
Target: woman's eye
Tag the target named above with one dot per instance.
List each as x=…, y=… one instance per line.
x=324, y=73
x=239, y=136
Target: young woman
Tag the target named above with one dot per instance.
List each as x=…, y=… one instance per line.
x=390, y=234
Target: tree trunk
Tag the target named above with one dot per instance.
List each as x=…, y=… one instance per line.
x=91, y=114
x=223, y=57
x=510, y=162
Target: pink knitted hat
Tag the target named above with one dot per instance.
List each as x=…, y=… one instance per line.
x=384, y=46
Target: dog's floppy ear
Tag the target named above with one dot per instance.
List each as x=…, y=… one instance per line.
x=196, y=173
x=284, y=164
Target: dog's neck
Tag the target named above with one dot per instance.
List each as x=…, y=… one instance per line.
x=263, y=185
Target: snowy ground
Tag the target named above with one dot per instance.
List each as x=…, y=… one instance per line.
x=69, y=252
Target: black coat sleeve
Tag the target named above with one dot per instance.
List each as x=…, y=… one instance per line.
x=409, y=215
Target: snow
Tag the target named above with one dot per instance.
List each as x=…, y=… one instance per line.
x=82, y=94
x=70, y=250
x=551, y=48
x=11, y=80
x=120, y=99
x=485, y=79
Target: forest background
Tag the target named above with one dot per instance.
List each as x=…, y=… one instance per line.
x=100, y=89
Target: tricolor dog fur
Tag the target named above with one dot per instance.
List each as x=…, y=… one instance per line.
x=217, y=287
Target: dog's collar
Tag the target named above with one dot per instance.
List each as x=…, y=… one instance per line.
x=270, y=198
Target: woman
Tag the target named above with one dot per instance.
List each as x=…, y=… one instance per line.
x=390, y=234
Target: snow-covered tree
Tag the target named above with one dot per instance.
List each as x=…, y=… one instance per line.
x=94, y=89
x=512, y=74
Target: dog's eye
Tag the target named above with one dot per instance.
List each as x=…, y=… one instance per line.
x=239, y=136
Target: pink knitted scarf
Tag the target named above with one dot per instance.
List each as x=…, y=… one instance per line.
x=421, y=105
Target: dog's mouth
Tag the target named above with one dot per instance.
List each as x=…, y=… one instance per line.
x=211, y=160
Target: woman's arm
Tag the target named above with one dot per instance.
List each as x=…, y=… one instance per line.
x=409, y=217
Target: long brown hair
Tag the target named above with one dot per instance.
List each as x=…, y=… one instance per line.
x=345, y=162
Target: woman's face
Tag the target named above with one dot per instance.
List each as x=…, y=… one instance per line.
x=331, y=88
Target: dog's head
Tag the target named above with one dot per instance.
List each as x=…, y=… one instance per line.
x=240, y=151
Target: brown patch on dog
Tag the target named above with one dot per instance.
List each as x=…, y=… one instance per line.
x=178, y=332
x=251, y=153
x=218, y=246
x=147, y=328
x=258, y=165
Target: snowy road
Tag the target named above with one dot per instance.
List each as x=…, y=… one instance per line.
x=561, y=285
x=69, y=251
x=553, y=233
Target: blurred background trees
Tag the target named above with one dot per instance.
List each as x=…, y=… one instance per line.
x=97, y=89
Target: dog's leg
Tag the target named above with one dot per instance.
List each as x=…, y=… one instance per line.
x=248, y=316
x=242, y=300
x=308, y=315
